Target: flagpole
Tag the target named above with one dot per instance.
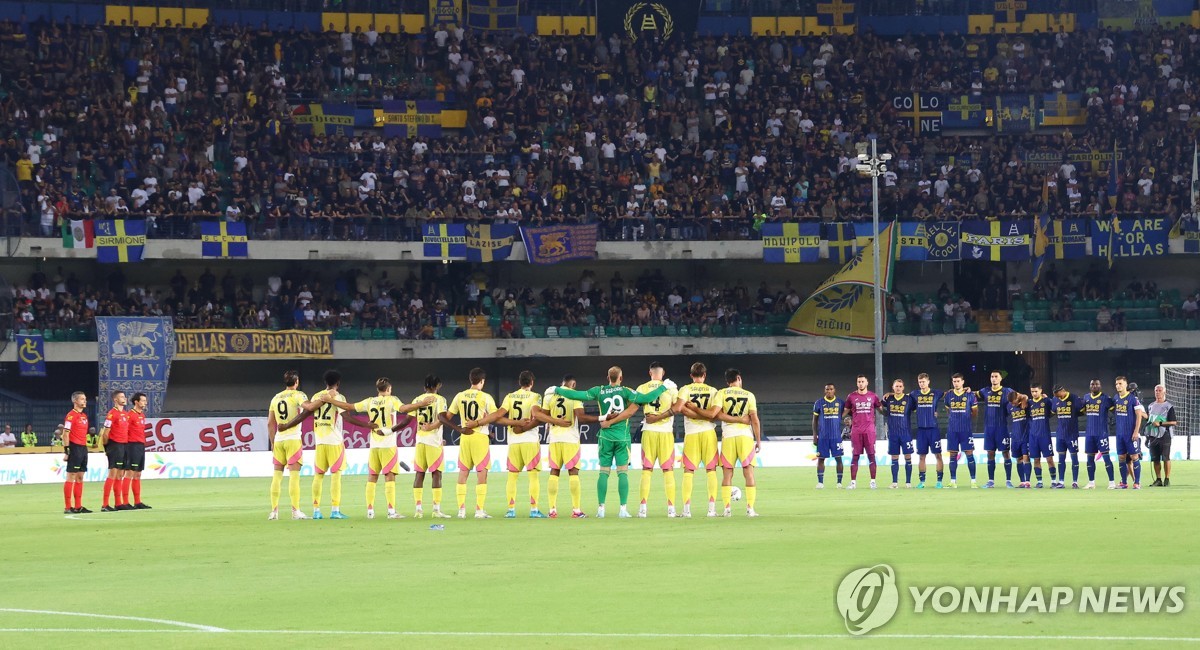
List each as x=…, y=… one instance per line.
x=873, y=165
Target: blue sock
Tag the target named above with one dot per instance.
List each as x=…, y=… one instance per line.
x=1137, y=471
x=1037, y=469
x=1091, y=464
x=1124, y=472
x=821, y=477
x=1075, y=468
x=1062, y=462
x=895, y=472
x=908, y=471
x=941, y=473
x=1108, y=466
x=1008, y=469
x=954, y=467
x=921, y=476
x=971, y=465
x=1026, y=470
x=839, y=475
x=1053, y=473
x=991, y=469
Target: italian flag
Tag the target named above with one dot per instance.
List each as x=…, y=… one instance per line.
x=77, y=234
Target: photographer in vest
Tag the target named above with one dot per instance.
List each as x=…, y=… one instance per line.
x=1160, y=422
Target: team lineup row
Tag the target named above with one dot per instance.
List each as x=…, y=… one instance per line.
x=1017, y=425
x=123, y=438
x=560, y=408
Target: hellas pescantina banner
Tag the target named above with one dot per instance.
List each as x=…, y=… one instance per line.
x=253, y=344
x=653, y=20
x=843, y=306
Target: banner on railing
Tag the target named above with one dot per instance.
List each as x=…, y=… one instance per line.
x=254, y=344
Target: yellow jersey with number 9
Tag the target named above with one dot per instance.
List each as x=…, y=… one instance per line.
x=428, y=414
x=382, y=410
x=736, y=402
x=284, y=406
x=519, y=405
x=327, y=421
x=472, y=404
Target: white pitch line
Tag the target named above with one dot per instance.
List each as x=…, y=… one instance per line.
x=193, y=626
x=603, y=635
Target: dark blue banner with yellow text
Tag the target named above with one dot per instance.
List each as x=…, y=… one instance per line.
x=254, y=344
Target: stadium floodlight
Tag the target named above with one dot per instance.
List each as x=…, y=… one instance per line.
x=873, y=166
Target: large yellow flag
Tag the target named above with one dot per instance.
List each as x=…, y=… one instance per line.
x=843, y=305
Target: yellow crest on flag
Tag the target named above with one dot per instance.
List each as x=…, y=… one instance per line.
x=843, y=305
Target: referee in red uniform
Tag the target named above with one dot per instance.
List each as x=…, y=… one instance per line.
x=75, y=429
x=113, y=437
x=135, y=454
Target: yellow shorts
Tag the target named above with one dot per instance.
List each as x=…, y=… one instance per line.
x=564, y=455
x=658, y=446
x=429, y=458
x=700, y=450
x=524, y=455
x=287, y=452
x=383, y=460
x=474, y=452
x=330, y=458
x=737, y=449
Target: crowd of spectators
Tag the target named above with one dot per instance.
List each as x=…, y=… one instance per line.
x=412, y=308
x=696, y=137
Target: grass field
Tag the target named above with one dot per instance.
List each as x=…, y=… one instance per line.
x=213, y=572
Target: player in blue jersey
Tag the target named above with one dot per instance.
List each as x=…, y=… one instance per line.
x=1067, y=408
x=962, y=406
x=898, y=407
x=1096, y=406
x=1040, y=441
x=1128, y=414
x=1018, y=433
x=995, y=427
x=827, y=432
x=929, y=439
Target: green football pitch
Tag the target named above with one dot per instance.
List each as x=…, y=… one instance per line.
x=205, y=568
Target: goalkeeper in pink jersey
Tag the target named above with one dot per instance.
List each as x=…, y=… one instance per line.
x=861, y=406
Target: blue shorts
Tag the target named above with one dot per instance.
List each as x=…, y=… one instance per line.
x=900, y=443
x=1040, y=447
x=962, y=440
x=1126, y=445
x=929, y=441
x=1067, y=444
x=1096, y=445
x=829, y=448
x=1020, y=445
x=994, y=440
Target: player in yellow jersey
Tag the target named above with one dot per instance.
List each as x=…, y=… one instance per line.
x=384, y=411
x=658, y=438
x=286, y=446
x=474, y=451
x=330, y=443
x=564, y=417
x=740, y=440
x=431, y=451
x=699, y=437
x=524, y=443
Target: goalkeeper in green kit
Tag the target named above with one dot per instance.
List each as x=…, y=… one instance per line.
x=617, y=403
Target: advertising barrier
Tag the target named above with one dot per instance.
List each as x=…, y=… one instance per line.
x=241, y=434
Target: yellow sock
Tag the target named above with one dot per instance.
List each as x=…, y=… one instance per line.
x=318, y=483
x=535, y=488
x=417, y=494
x=669, y=485
x=460, y=491
x=371, y=495
x=727, y=494
x=335, y=490
x=276, y=488
x=510, y=490
x=576, y=492
x=480, y=495
x=644, y=488
x=437, y=498
x=751, y=493
x=688, y=479
x=389, y=493
x=714, y=484
x=294, y=489
x=552, y=491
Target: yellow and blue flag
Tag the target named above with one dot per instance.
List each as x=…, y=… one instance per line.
x=444, y=241
x=492, y=15
x=1015, y=114
x=120, y=241
x=912, y=241
x=410, y=118
x=1063, y=109
x=554, y=244
x=790, y=243
x=943, y=241
x=325, y=119
x=224, y=239
x=1141, y=237
x=1188, y=229
x=836, y=13
x=998, y=241
x=490, y=243
x=31, y=354
x=840, y=239
x=843, y=306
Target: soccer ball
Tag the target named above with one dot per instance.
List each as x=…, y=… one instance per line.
x=737, y=494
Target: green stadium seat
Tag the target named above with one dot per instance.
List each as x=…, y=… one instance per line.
x=716, y=330
x=527, y=332
x=635, y=330
x=610, y=331
x=623, y=330
x=658, y=330
x=552, y=332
